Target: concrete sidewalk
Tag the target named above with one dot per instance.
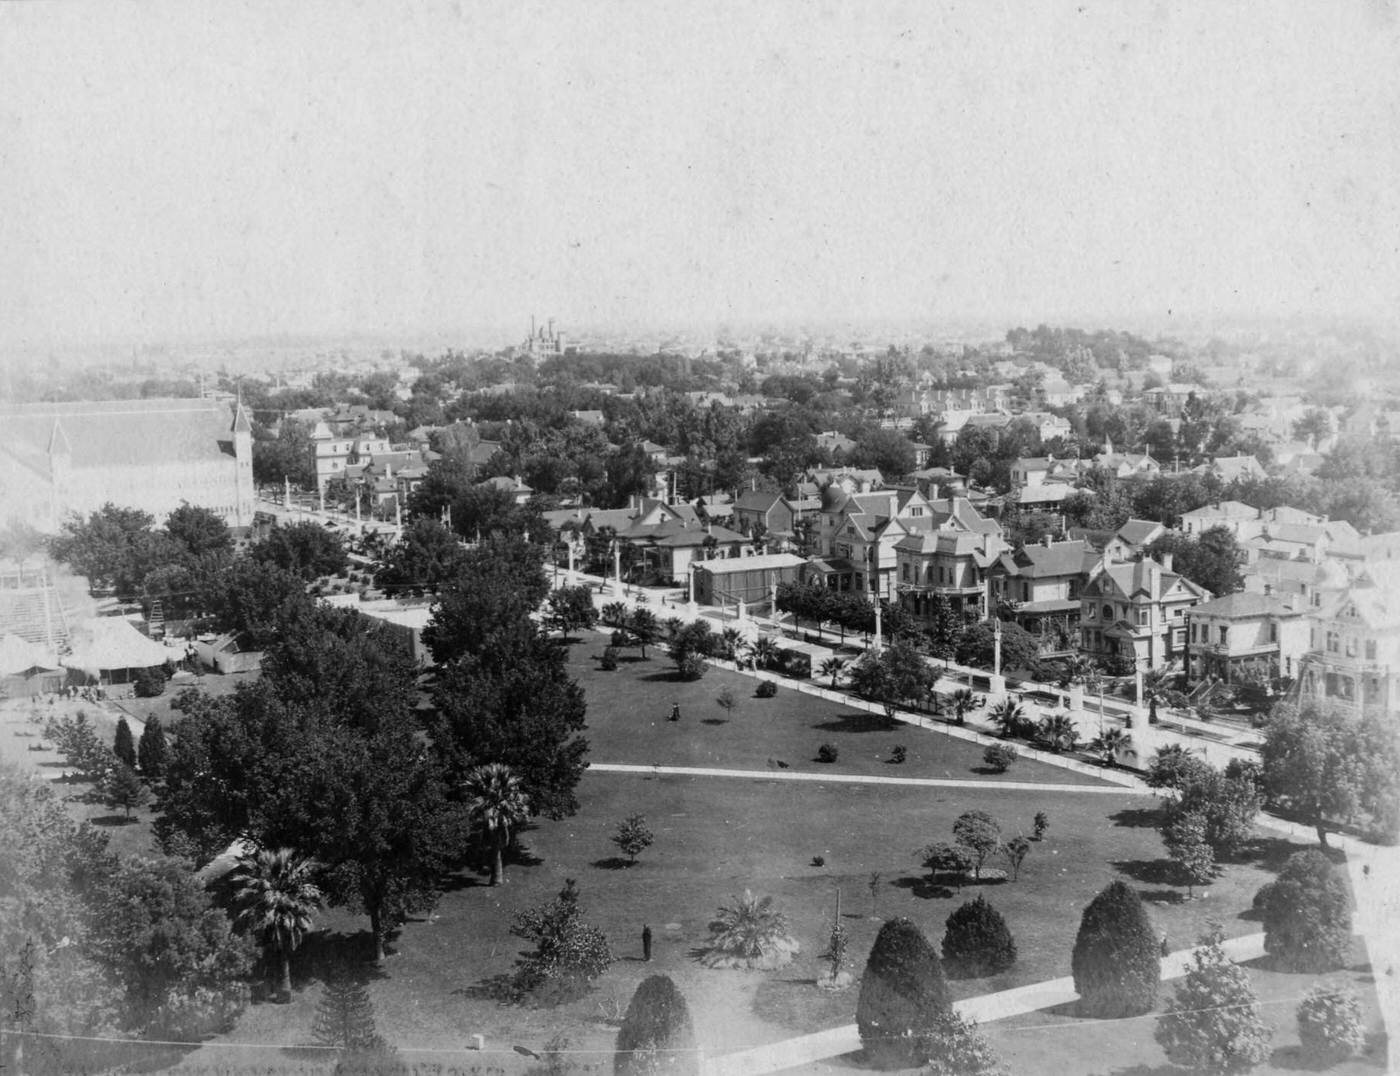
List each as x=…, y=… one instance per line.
x=808, y=1049
x=858, y=779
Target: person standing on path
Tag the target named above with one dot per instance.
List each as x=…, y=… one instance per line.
x=675, y=711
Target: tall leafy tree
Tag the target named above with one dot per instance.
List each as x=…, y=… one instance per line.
x=100, y=546
x=276, y=898
x=158, y=933
x=500, y=583
x=426, y=558
x=1325, y=765
x=199, y=530
x=306, y=549
x=497, y=805
x=519, y=708
x=1213, y=560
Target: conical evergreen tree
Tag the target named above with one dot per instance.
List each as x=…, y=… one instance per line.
x=977, y=940
x=1117, y=961
x=657, y=1035
x=345, y=1014
x=124, y=747
x=902, y=993
x=153, y=750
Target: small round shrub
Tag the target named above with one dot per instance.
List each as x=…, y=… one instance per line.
x=826, y=752
x=1307, y=918
x=1329, y=1024
x=609, y=660
x=766, y=689
x=977, y=941
x=902, y=991
x=618, y=638
x=999, y=756
x=898, y=753
x=1117, y=961
x=149, y=683
x=656, y=1034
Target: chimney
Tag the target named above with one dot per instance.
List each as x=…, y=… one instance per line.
x=1167, y=559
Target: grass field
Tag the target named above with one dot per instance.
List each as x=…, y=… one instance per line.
x=718, y=836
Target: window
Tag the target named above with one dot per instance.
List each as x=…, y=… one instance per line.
x=1351, y=646
x=1332, y=642
x=1224, y=635
x=904, y=571
x=1370, y=650
x=1273, y=633
x=1144, y=616
x=1108, y=612
x=916, y=511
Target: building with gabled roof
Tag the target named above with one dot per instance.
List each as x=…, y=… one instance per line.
x=1353, y=659
x=1135, y=612
x=1245, y=634
x=1038, y=587
x=152, y=454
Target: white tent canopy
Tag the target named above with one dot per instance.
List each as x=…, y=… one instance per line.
x=105, y=643
x=18, y=656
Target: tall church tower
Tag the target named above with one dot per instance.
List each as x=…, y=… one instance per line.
x=246, y=496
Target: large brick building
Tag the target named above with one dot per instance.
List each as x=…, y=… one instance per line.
x=63, y=458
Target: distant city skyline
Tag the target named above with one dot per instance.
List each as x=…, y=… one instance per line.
x=193, y=171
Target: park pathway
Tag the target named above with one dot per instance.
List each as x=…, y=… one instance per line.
x=809, y=1049
x=859, y=779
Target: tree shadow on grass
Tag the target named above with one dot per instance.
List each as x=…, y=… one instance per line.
x=714, y=721
x=1149, y=871
x=498, y=988
x=1162, y=896
x=114, y=820
x=612, y=863
x=856, y=721
x=326, y=952
x=922, y=888
x=1136, y=817
x=1268, y=853
x=987, y=771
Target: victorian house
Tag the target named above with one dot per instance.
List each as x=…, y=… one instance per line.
x=1136, y=612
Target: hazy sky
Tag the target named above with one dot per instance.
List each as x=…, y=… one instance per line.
x=175, y=169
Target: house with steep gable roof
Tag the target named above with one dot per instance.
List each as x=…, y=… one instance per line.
x=1135, y=612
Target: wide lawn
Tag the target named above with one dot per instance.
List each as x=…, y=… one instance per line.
x=719, y=836
x=629, y=713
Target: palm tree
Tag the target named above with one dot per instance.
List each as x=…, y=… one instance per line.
x=1110, y=743
x=615, y=614
x=730, y=641
x=497, y=804
x=749, y=933
x=964, y=702
x=832, y=667
x=765, y=652
x=276, y=898
x=1058, y=731
x=1009, y=716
